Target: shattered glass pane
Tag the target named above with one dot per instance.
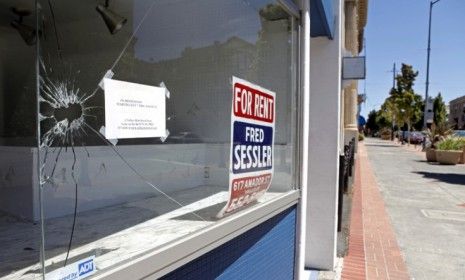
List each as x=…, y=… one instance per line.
x=19, y=230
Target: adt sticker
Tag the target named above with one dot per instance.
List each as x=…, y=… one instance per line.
x=86, y=267
x=252, y=144
x=75, y=271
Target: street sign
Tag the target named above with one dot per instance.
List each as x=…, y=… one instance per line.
x=353, y=68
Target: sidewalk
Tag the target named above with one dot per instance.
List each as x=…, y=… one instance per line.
x=373, y=249
x=412, y=148
x=424, y=202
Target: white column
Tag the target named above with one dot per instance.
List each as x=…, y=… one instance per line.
x=324, y=140
x=305, y=77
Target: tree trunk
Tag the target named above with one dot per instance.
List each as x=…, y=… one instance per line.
x=408, y=131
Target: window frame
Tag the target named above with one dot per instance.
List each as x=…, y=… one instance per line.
x=160, y=261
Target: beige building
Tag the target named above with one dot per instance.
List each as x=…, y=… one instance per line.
x=355, y=21
x=457, y=113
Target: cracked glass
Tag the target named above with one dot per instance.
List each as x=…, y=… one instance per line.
x=82, y=195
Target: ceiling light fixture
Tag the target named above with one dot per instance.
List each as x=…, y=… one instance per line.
x=27, y=32
x=113, y=21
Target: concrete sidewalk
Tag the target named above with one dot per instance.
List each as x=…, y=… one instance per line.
x=425, y=202
x=408, y=216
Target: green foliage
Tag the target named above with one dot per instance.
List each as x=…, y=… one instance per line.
x=437, y=133
x=382, y=120
x=461, y=141
x=439, y=109
x=372, y=122
x=388, y=113
x=385, y=133
x=418, y=125
x=452, y=144
x=406, y=79
x=403, y=106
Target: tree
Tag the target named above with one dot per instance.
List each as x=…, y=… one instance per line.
x=418, y=125
x=406, y=102
x=372, y=123
x=388, y=112
x=406, y=79
x=382, y=120
x=439, y=110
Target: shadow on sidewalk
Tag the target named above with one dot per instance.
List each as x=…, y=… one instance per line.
x=450, y=178
x=382, y=145
x=428, y=162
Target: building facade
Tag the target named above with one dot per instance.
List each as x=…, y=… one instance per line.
x=169, y=139
x=457, y=113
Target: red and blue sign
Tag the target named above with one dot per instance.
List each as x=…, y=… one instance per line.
x=251, y=147
x=252, y=144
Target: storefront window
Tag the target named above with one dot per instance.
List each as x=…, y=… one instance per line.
x=111, y=193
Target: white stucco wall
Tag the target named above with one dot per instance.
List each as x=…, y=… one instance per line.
x=324, y=142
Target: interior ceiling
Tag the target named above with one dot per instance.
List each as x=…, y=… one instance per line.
x=6, y=15
x=75, y=10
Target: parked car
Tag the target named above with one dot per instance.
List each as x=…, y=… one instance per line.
x=416, y=137
x=459, y=133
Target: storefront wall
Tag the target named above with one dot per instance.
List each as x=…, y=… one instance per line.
x=264, y=252
x=69, y=194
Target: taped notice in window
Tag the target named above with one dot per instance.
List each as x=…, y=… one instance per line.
x=252, y=144
x=134, y=110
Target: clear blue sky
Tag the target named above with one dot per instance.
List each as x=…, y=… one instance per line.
x=397, y=31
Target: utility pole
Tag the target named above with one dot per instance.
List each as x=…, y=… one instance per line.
x=393, y=87
x=394, y=76
x=427, y=62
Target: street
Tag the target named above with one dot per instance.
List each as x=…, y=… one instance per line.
x=426, y=206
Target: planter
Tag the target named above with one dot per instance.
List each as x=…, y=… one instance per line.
x=430, y=154
x=385, y=137
x=448, y=157
x=462, y=158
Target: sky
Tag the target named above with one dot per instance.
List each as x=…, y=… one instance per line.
x=397, y=32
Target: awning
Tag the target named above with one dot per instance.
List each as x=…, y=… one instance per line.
x=321, y=18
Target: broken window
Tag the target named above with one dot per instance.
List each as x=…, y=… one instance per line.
x=86, y=195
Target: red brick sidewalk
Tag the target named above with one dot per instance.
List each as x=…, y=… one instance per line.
x=373, y=251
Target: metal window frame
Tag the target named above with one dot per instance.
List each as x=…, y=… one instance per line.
x=165, y=259
x=290, y=7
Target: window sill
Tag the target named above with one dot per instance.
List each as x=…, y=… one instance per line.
x=159, y=262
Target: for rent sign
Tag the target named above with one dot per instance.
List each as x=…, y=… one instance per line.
x=252, y=139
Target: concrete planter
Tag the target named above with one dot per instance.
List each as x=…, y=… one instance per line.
x=430, y=155
x=385, y=137
x=448, y=157
x=462, y=158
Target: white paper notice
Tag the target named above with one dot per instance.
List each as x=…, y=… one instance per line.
x=134, y=110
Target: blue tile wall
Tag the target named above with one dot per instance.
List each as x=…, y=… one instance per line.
x=267, y=251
